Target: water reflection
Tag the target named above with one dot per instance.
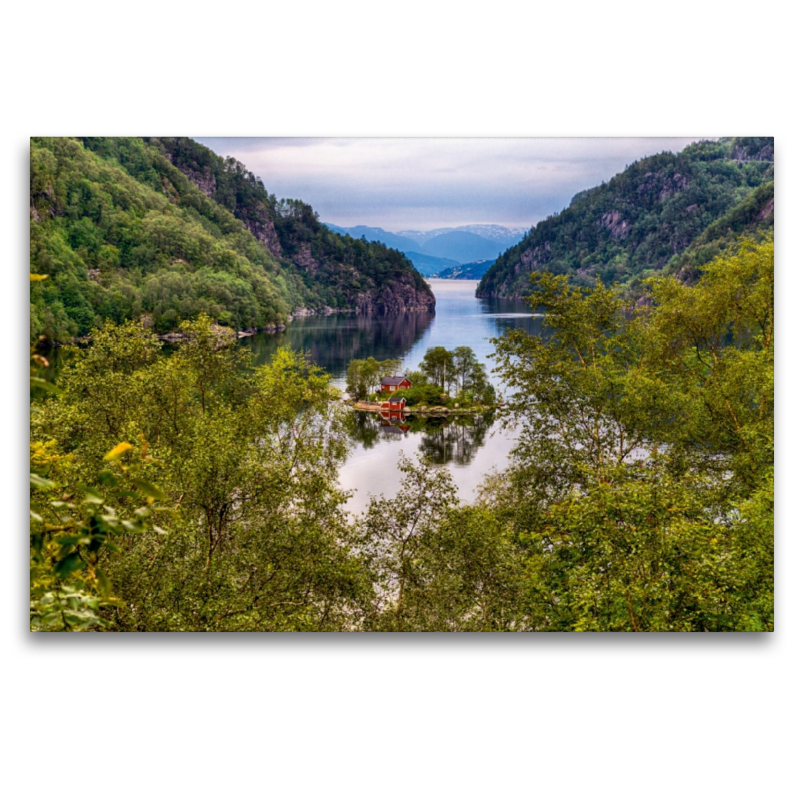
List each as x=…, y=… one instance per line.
x=333, y=341
x=336, y=340
x=468, y=446
x=455, y=440
x=444, y=440
x=460, y=319
x=394, y=423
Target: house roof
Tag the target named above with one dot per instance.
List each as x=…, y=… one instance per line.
x=395, y=379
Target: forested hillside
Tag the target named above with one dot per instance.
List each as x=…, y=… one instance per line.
x=473, y=271
x=198, y=491
x=665, y=212
x=751, y=217
x=163, y=230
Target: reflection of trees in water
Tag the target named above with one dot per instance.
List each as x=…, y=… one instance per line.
x=455, y=440
x=443, y=440
x=336, y=340
x=364, y=428
x=368, y=429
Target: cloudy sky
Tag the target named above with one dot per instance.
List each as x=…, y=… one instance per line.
x=421, y=184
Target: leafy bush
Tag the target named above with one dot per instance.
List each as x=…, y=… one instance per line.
x=423, y=394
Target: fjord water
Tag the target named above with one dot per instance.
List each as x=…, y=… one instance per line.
x=468, y=447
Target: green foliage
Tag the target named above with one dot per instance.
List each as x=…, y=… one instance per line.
x=639, y=497
x=125, y=230
x=425, y=394
x=642, y=478
x=438, y=566
x=440, y=371
x=438, y=367
x=70, y=538
x=332, y=270
x=117, y=249
x=645, y=217
x=452, y=371
x=364, y=376
x=753, y=217
x=246, y=461
x=643, y=551
x=716, y=342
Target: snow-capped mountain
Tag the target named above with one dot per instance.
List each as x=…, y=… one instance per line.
x=494, y=233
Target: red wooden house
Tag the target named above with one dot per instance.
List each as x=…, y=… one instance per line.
x=393, y=404
x=393, y=383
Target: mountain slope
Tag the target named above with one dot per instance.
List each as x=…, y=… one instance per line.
x=341, y=272
x=466, y=272
x=401, y=243
x=640, y=220
x=751, y=218
x=429, y=265
x=123, y=232
x=499, y=234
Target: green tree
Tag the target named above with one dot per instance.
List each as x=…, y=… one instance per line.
x=71, y=532
x=257, y=538
x=465, y=366
x=364, y=375
x=642, y=478
x=438, y=366
x=439, y=566
x=471, y=378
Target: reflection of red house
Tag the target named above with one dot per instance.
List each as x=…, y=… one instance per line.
x=393, y=404
x=389, y=420
x=393, y=383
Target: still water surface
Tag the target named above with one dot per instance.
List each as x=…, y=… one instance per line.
x=468, y=447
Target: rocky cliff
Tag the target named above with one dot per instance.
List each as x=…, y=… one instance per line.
x=126, y=228
x=339, y=271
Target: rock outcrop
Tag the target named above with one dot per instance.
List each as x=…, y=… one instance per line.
x=338, y=272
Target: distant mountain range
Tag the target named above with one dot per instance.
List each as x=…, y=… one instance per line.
x=397, y=241
x=442, y=248
x=466, y=272
x=494, y=233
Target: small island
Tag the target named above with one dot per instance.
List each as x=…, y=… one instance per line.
x=447, y=382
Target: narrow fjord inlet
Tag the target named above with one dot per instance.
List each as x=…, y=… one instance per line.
x=556, y=418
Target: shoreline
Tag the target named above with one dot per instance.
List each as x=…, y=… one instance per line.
x=423, y=411
x=279, y=327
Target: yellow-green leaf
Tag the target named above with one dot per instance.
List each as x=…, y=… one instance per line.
x=119, y=450
x=148, y=489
